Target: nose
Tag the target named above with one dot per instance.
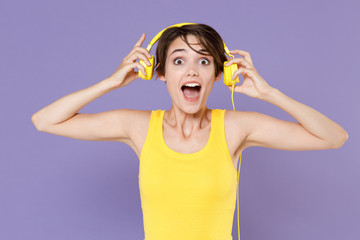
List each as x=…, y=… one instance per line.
x=192, y=72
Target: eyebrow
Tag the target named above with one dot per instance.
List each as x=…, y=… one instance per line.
x=182, y=50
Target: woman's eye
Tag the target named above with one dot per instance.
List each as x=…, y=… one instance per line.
x=178, y=61
x=204, y=61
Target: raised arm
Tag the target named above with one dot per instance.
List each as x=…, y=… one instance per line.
x=313, y=131
x=62, y=118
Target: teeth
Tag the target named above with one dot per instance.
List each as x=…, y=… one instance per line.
x=192, y=85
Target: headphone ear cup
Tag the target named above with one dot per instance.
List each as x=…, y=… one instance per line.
x=228, y=73
x=149, y=69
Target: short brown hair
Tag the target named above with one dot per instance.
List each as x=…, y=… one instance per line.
x=206, y=35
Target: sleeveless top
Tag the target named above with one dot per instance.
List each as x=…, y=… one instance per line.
x=187, y=196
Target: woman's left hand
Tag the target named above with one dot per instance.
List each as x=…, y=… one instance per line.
x=253, y=85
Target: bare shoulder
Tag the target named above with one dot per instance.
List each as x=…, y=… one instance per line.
x=238, y=126
x=138, y=125
x=135, y=115
x=137, y=121
x=128, y=126
x=239, y=120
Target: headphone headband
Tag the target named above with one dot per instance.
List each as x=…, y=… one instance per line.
x=156, y=38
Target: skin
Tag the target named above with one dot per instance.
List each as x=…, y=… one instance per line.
x=186, y=126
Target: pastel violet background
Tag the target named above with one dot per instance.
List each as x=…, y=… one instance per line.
x=55, y=188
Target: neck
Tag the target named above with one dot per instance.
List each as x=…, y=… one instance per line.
x=187, y=123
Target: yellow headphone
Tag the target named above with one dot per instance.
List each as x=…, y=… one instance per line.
x=228, y=72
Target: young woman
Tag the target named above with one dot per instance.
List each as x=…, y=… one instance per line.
x=189, y=154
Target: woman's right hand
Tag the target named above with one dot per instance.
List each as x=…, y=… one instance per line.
x=125, y=73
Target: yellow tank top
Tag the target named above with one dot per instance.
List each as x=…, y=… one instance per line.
x=187, y=196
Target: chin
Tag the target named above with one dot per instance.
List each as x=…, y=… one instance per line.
x=192, y=109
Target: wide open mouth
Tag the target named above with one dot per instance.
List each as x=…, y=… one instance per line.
x=191, y=91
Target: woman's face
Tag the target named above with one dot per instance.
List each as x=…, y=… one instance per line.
x=189, y=76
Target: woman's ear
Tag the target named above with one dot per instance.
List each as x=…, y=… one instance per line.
x=218, y=77
x=162, y=78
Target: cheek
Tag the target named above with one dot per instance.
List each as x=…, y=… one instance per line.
x=173, y=72
x=208, y=73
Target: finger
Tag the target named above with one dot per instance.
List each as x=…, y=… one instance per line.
x=140, y=56
x=236, y=88
x=245, y=54
x=139, y=66
x=242, y=71
x=136, y=52
x=140, y=41
x=140, y=49
x=134, y=65
x=241, y=61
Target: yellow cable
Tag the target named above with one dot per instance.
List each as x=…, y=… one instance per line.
x=238, y=175
x=232, y=96
x=237, y=191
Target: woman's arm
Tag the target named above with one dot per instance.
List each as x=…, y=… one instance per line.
x=313, y=130
x=67, y=107
x=62, y=118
